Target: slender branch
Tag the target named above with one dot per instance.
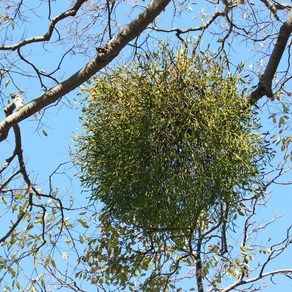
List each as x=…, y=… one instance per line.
x=33, y=66
x=255, y=279
x=72, y=285
x=15, y=224
x=47, y=36
x=8, y=180
x=22, y=170
x=8, y=111
x=110, y=7
x=272, y=7
x=17, y=152
x=197, y=28
x=276, y=250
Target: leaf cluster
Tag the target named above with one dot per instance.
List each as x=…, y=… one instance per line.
x=169, y=137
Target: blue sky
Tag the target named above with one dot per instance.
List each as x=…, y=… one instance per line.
x=43, y=154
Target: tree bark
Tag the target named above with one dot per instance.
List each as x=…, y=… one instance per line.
x=265, y=84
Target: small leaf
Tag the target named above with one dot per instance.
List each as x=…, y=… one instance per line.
x=4, y=200
x=53, y=263
x=81, y=239
x=38, y=277
x=67, y=240
x=17, y=285
x=83, y=223
x=45, y=133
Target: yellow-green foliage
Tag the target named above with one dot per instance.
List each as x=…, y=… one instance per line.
x=168, y=137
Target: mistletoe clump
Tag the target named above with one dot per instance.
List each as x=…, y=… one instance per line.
x=168, y=138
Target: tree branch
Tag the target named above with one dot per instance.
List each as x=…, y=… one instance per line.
x=252, y=280
x=48, y=34
x=15, y=224
x=265, y=84
x=109, y=52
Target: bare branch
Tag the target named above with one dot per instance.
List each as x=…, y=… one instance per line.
x=48, y=34
x=15, y=224
x=275, y=250
x=255, y=279
x=198, y=28
x=272, y=7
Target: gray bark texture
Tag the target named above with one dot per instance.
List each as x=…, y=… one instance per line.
x=265, y=84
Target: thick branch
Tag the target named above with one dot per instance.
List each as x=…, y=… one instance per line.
x=104, y=57
x=265, y=84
